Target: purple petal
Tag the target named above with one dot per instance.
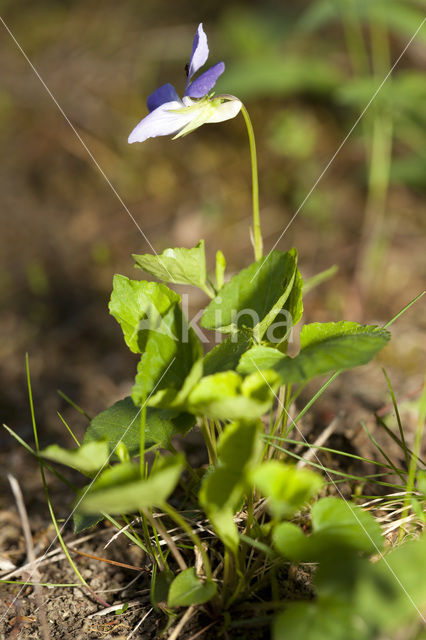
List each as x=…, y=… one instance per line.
x=200, y=52
x=165, y=93
x=205, y=82
x=163, y=121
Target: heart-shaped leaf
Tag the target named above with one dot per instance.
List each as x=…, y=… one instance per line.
x=139, y=307
x=188, y=589
x=122, y=490
x=121, y=423
x=179, y=265
x=87, y=459
x=254, y=297
x=325, y=347
x=286, y=487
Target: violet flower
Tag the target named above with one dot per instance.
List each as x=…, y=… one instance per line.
x=171, y=115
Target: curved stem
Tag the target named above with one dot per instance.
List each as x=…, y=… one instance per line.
x=257, y=233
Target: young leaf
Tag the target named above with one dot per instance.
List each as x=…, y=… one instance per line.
x=226, y=396
x=340, y=523
x=223, y=487
x=223, y=523
x=290, y=541
x=122, y=490
x=239, y=447
x=179, y=266
x=338, y=526
x=286, y=487
x=254, y=297
x=240, y=444
x=220, y=269
x=188, y=589
x=87, y=459
x=139, y=306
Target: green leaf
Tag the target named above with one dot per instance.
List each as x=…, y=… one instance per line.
x=239, y=448
x=339, y=526
x=290, y=541
x=325, y=347
x=319, y=620
x=331, y=346
x=340, y=523
x=223, y=523
x=121, y=423
x=392, y=591
x=173, y=398
x=286, y=487
x=220, y=269
x=118, y=423
x=122, y=490
x=259, y=358
x=240, y=445
x=139, y=306
x=226, y=355
x=188, y=589
x=160, y=585
x=179, y=266
x=222, y=489
x=87, y=459
x=162, y=425
x=253, y=298
x=294, y=304
x=83, y=521
x=168, y=360
x=226, y=396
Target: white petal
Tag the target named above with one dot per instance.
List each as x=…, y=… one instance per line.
x=225, y=111
x=187, y=101
x=161, y=122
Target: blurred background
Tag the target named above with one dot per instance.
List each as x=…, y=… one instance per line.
x=305, y=71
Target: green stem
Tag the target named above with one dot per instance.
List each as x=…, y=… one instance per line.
x=257, y=233
x=205, y=430
x=142, y=427
x=207, y=291
x=181, y=522
x=227, y=561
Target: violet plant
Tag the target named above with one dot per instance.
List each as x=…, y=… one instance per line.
x=239, y=395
